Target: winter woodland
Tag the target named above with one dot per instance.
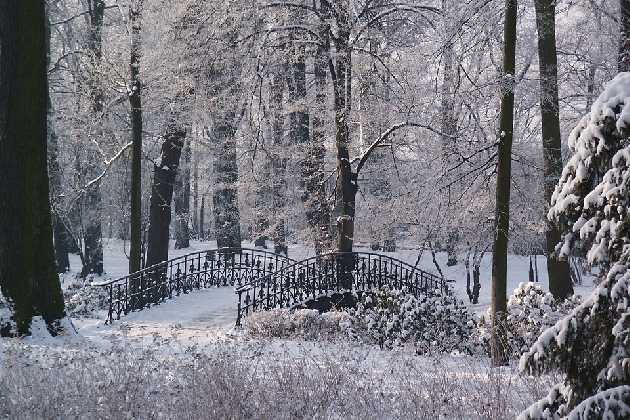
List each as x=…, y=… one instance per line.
x=486, y=141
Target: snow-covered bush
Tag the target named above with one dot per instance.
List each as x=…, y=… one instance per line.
x=83, y=300
x=530, y=311
x=303, y=323
x=434, y=323
x=591, y=346
x=7, y=325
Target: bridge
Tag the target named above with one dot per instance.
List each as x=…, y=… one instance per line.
x=264, y=280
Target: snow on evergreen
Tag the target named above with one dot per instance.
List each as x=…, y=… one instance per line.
x=592, y=344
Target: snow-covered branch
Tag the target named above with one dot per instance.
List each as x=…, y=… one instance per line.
x=108, y=164
x=366, y=154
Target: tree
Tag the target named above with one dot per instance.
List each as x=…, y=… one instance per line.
x=93, y=236
x=313, y=173
x=182, y=203
x=560, y=283
x=28, y=276
x=164, y=174
x=134, y=87
x=502, y=206
x=590, y=206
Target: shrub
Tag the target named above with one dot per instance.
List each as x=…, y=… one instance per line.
x=7, y=325
x=530, y=311
x=83, y=300
x=434, y=323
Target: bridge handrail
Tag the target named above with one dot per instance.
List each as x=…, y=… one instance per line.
x=196, y=270
x=187, y=257
x=333, y=272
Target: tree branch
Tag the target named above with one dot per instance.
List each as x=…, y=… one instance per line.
x=366, y=154
x=108, y=164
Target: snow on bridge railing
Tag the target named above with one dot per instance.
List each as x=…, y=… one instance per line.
x=160, y=282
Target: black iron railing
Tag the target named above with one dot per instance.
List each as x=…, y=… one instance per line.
x=220, y=267
x=333, y=275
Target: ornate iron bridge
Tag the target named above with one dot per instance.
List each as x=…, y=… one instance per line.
x=332, y=280
x=158, y=283
x=265, y=280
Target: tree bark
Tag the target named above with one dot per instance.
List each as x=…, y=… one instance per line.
x=502, y=206
x=164, y=175
x=135, y=103
x=28, y=274
x=560, y=284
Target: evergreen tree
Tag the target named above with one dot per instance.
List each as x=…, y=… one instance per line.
x=591, y=204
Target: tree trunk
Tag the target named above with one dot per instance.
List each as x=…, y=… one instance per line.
x=279, y=161
x=28, y=274
x=448, y=122
x=225, y=198
x=202, y=232
x=92, y=261
x=135, y=103
x=313, y=173
x=195, y=210
x=504, y=170
x=93, y=235
x=164, y=175
x=60, y=239
x=560, y=284
x=623, y=56
x=342, y=78
x=182, y=204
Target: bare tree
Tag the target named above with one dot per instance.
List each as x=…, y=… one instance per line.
x=560, y=284
x=502, y=206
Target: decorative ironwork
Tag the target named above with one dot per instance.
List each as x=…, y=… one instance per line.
x=220, y=267
x=331, y=280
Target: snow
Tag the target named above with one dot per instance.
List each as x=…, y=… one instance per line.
x=212, y=312
x=205, y=319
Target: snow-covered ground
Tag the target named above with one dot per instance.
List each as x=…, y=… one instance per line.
x=202, y=323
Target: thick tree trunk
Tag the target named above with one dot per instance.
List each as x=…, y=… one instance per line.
x=92, y=261
x=28, y=274
x=225, y=198
x=164, y=174
x=182, y=204
x=504, y=171
x=560, y=284
x=342, y=86
x=135, y=103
